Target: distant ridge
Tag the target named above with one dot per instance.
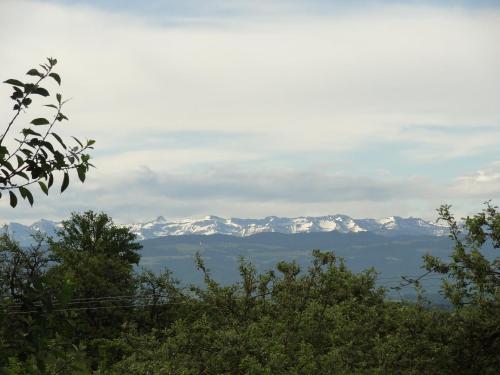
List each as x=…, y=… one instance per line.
x=390, y=226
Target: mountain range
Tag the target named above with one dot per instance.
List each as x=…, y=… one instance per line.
x=389, y=227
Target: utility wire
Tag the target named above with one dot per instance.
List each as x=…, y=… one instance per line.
x=95, y=303
x=91, y=299
x=95, y=308
x=162, y=295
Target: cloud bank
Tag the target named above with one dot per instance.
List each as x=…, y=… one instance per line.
x=256, y=116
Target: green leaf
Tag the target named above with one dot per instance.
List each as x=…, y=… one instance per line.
x=51, y=180
x=40, y=121
x=25, y=193
x=28, y=131
x=59, y=158
x=35, y=172
x=61, y=117
x=48, y=145
x=76, y=139
x=43, y=187
x=20, y=161
x=26, y=152
x=3, y=151
x=90, y=142
x=56, y=77
x=29, y=87
x=41, y=91
x=59, y=139
x=81, y=172
x=34, y=72
x=51, y=106
x=16, y=95
x=9, y=166
x=13, y=199
x=23, y=175
x=59, y=98
x=65, y=182
x=14, y=82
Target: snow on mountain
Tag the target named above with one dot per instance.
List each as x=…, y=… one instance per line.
x=395, y=225
x=24, y=233
x=390, y=226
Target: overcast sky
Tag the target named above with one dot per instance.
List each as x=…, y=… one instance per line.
x=278, y=107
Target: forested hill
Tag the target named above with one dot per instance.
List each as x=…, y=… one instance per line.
x=392, y=257
x=82, y=303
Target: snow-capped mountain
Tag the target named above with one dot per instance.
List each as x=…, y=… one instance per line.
x=390, y=226
x=24, y=233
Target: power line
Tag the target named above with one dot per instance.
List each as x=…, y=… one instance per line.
x=95, y=303
x=95, y=308
x=91, y=299
x=408, y=277
x=83, y=300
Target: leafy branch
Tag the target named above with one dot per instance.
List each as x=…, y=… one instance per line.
x=38, y=156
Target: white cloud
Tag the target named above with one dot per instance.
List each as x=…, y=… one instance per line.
x=230, y=190
x=292, y=84
x=484, y=183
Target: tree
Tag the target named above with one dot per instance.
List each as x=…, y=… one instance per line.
x=95, y=258
x=23, y=293
x=58, y=302
x=471, y=278
x=33, y=337
x=324, y=320
x=78, y=307
x=471, y=282
x=37, y=156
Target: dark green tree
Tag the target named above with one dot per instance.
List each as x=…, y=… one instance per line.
x=34, y=336
x=471, y=282
x=24, y=294
x=470, y=277
x=84, y=310
x=324, y=320
x=95, y=259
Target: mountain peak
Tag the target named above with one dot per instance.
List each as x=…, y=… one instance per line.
x=389, y=226
x=213, y=217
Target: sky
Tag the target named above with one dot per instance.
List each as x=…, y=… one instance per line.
x=242, y=108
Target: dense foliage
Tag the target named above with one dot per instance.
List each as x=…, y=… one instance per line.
x=79, y=305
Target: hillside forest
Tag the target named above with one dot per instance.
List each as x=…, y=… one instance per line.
x=78, y=304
